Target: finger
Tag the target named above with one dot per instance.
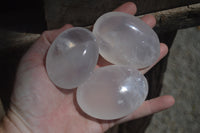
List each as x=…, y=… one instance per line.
x=150, y=107
x=38, y=50
x=127, y=7
x=131, y=8
x=149, y=20
x=163, y=53
x=52, y=34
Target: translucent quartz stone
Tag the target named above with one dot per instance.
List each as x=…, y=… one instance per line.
x=126, y=40
x=112, y=92
x=72, y=57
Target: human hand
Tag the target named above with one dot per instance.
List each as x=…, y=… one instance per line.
x=38, y=106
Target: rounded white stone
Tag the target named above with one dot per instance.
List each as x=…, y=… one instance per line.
x=72, y=57
x=126, y=40
x=112, y=92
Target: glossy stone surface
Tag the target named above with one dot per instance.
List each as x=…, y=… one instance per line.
x=126, y=40
x=112, y=92
x=72, y=57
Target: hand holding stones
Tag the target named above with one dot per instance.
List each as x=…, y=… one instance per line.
x=109, y=92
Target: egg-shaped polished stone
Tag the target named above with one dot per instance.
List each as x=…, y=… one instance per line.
x=72, y=57
x=112, y=92
x=126, y=40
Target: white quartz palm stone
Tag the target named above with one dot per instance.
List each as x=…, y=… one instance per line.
x=112, y=92
x=126, y=40
x=72, y=57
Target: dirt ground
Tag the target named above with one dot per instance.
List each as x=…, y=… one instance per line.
x=181, y=81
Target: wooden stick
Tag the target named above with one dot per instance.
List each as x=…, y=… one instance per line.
x=177, y=18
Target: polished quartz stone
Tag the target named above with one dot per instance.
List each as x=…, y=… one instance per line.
x=126, y=40
x=72, y=57
x=112, y=92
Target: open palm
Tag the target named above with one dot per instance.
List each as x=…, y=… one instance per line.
x=39, y=106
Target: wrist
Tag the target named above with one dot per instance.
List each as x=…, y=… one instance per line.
x=12, y=123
